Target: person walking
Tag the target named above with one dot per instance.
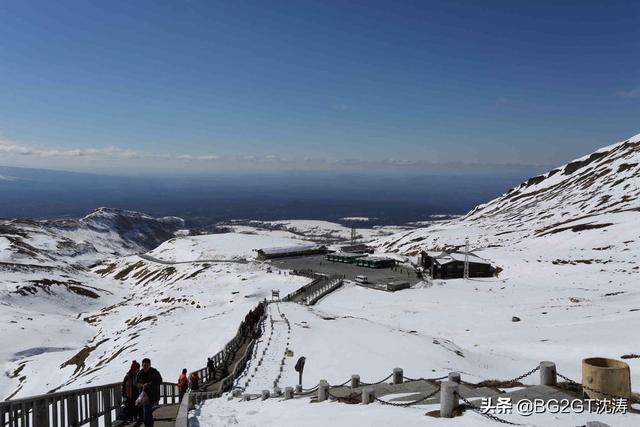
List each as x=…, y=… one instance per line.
x=149, y=380
x=130, y=391
x=194, y=381
x=183, y=384
x=210, y=367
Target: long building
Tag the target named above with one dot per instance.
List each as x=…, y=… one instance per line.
x=346, y=257
x=291, y=251
x=375, y=262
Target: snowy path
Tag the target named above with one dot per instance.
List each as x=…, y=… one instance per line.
x=269, y=358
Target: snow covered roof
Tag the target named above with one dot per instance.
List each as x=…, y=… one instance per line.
x=379, y=258
x=455, y=256
x=349, y=254
x=288, y=249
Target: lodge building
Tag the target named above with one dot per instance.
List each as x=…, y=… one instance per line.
x=445, y=265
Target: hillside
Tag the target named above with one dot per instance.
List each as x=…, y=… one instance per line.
x=589, y=196
x=46, y=284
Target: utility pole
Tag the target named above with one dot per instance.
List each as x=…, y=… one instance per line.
x=465, y=274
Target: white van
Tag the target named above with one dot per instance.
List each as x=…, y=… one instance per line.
x=362, y=279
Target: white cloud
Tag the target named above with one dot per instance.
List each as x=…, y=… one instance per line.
x=632, y=93
x=110, y=158
x=107, y=153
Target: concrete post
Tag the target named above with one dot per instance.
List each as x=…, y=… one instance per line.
x=548, y=373
x=323, y=390
x=355, y=381
x=368, y=395
x=265, y=394
x=288, y=393
x=298, y=388
x=454, y=377
x=448, y=398
x=397, y=376
x=277, y=391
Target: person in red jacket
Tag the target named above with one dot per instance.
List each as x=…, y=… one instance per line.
x=195, y=381
x=183, y=383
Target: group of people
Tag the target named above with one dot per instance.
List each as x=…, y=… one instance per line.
x=141, y=384
x=185, y=383
x=251, y=321
x=141, y=391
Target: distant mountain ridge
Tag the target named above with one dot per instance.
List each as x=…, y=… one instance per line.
x=591, y=192
x=103, y=232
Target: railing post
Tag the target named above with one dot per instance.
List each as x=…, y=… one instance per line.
x=288, y=393
x=454, y=377
x=448, y=398
x=41, y=413
x=368, y=395
x=397, y=376
x=355, y=381
x=107, y=404
x=548, y=373
x=93, y=408
x=4, y=412
x=323, y=390
x=72, y=410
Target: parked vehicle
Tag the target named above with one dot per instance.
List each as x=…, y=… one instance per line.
x=362, y=279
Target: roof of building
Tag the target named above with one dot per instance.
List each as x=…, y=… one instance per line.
x=433, y=254
x=349, y=254
x=291, y=249
x=456, y=256
x=379, y=258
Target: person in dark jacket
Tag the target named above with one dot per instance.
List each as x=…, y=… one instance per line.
x=149, y=380
x=130, y=391
x=210, y=367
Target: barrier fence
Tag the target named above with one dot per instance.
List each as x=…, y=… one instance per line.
x=85, y=406
x=100, y=405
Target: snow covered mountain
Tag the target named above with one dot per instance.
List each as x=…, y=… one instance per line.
x=102, y=233
x=46, y=280
x=593, y=195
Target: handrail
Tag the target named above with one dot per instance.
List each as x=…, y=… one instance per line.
x=88, y=405
x=312, y=287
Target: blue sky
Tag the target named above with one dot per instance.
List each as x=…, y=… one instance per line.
x=409, y=86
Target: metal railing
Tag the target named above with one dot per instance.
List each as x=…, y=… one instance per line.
x=325, y=289
x=99, y=405
x=312, y=288
x=222, y=360
x=86, y=406
x=225, y=356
